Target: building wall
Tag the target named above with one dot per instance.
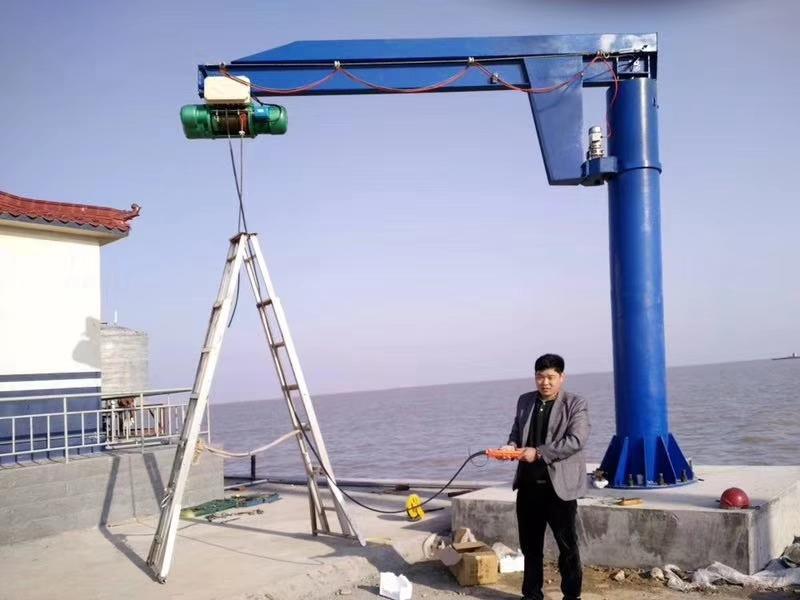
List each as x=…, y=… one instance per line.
x=49, y=312
x=47, y=499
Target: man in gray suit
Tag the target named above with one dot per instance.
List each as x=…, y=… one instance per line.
x=551, y=426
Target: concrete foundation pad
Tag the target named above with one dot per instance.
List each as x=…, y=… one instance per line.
x=682, y=525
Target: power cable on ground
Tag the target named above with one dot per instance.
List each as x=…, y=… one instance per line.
x=372, y=508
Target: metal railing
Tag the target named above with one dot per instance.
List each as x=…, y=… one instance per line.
x=123, y=420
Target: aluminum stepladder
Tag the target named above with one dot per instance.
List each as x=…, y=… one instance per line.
x=245, y=251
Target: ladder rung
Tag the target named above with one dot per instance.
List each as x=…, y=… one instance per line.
x=250, y=258
x=277, y=345
x=264, y=303
x=291, y=387
x=217, y=305
x=205, y=350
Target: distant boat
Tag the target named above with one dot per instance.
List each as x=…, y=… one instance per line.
x=793, y=355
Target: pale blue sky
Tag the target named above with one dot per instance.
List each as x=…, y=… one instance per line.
x=413, y=240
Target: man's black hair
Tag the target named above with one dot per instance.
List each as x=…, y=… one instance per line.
x=549, y=361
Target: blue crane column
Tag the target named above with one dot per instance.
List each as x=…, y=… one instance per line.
x=643, y=452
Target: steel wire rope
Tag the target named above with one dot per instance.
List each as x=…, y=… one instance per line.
x=238, y=179
x=240, y=192
x=201, y=446
x=241, y=220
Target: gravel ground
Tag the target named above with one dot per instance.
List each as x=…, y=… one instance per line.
x=432, y=581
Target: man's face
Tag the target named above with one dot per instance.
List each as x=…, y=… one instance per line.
x=549, y=382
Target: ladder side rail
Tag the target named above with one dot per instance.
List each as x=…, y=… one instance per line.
x=163, y=545
x=264, y=311
x=252, y=273
x=263, y=316
x=255, y=248
x=345, y=522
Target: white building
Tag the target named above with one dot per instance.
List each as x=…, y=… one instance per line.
x=50, y=295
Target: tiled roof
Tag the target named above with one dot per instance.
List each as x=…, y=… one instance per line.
x=61, y=213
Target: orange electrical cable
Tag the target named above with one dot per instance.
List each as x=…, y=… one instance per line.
x=419, y=90
x=338, y=68
x=610, y=68
x=288, y=91
x=530, y=90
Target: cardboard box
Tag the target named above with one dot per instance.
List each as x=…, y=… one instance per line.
x=472, y=563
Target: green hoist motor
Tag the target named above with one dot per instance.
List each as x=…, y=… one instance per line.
x=207, y=122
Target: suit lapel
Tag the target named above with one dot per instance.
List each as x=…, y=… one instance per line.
x=527, y=427
x=555, y=416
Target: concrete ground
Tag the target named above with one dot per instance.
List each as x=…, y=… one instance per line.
x=271, y=556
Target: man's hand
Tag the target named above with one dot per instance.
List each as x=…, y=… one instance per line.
x=529, y=455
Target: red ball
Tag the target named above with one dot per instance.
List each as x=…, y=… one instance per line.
x=734, y=498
